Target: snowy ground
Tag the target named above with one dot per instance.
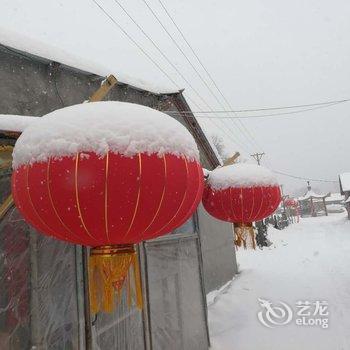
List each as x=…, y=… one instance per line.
x=309, y=261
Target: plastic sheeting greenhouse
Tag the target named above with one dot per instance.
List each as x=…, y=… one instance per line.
x=44, y=300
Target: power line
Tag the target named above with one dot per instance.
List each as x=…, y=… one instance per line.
x=167, y=59
x=325, y=104
x=257, y=155
x=185, y=56
x=318, y=105
x=295, y=106
x=226, y=129
x=145, y=53
x=180, y=49
x=303, y=178
x=229, y=134
x=230, y=127
x=135, y=42
x=141, y=48
x=288, y=113
x=191, y=48
x=160, y=51
x=204, y=114
x=250, y=136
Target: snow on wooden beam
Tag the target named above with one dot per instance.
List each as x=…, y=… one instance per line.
x=15, y=123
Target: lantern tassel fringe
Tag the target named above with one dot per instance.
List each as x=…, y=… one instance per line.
x=109, y=271
x=244, y=236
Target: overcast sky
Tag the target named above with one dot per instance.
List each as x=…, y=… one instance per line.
x=260, y=53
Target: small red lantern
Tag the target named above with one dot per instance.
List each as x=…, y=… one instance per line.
x=291, y=202
x=241, y=194
x=134, y=177
x=293, y=205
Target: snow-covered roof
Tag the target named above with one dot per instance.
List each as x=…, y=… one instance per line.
x=241, y=175
x=9, y=122
x=345, y=181
x=100, y=127
x=311, y=194
x=334, y=197
x=50, y=52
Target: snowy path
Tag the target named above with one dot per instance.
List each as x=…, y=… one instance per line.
x=309, y=261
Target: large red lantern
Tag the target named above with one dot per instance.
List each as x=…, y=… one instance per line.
x=133, y=178
x=241, y=194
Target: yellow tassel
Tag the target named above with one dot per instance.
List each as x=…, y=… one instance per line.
x=128, y=291
x=137, y=279
x=108, y=271
x=245, y=235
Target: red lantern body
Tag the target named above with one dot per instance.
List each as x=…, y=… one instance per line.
x=242, y=205
x=92, y=200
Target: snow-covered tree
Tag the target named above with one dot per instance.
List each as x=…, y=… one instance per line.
x=220, y=146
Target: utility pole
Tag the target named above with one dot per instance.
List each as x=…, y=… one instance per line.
x=257, y=156
x=261, y=236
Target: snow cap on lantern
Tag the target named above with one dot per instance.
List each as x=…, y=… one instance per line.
x=107, y=175
x=241, y=175
x=100, y=127
x=241, y=193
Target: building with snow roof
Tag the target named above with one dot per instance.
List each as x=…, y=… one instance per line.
x=43, y=282
x=312, y=203
x=344, y=183
x=335, y=203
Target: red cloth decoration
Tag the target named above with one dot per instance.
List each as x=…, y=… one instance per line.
x=94, y=201
x=242, y=205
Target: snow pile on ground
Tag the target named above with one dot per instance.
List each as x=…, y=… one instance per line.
x=100, y=127
x=334, y=197
x=308, y=261
x=213, y=295
x=241, y=175
x=18, y=123
x=335, y=208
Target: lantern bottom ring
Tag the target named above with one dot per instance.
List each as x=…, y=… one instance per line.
x=244, y=224
x=109, y=250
